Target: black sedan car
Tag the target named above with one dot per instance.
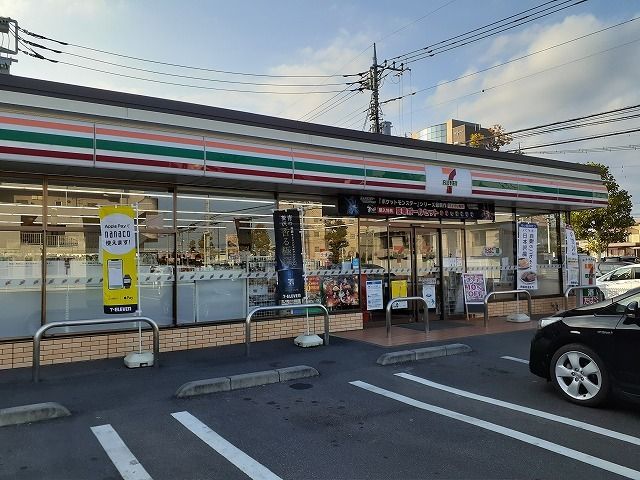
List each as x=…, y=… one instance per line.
x=590, y=352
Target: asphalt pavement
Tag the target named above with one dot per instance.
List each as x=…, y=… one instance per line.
x=472, y=415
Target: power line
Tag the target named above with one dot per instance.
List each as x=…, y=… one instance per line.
x=383, y=38
x=191, y=77
x=605, y=149
x=466, y=38
x=574, y=140
x=334, y=105
x=190, y=67
x=493, y=87
x=163, y=82
x=466, y=33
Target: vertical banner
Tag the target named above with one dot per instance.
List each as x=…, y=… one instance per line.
x=527, y=256
x=572, y=266
x=119, y=269
x=289, y=266
x=475, y=288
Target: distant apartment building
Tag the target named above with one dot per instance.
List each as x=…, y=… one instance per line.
x=630, y=247
x=454, y=132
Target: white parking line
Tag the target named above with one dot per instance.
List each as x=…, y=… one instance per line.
x=120, y=455
x=519, y=408
x=515, y=359
x=236, y=456
x=523, y=437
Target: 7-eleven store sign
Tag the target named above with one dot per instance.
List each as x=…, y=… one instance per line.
x=446, y=181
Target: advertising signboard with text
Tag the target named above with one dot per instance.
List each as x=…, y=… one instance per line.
x=289, y=266
x=527, y=263
x=119, y=268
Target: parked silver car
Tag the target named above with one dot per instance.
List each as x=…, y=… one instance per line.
x=620, y=280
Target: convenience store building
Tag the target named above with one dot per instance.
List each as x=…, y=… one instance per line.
x=206, y=182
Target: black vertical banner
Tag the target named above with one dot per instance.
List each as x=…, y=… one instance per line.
x=289, y=266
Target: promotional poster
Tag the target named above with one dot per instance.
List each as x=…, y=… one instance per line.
x=289, y=265
x=527, y=263
x=119, y=269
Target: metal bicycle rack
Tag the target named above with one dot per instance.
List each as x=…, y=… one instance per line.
x=406, y=299
x=247, y=333
x=489, y=295
x=41, y=331
x=571, y=289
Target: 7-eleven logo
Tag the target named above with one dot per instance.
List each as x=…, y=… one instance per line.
x=450, y=182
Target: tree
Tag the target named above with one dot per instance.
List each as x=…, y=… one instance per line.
x=336, y=238
x=260, y=241
x=477, y=140
x=602, y=226
x=497, y=138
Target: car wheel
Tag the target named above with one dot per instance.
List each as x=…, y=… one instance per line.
x=579, y=374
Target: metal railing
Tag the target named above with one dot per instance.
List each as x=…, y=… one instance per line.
x=41, y=331
x=247, y=332
x=571, y=289
x=505, y=292
x=406, y=299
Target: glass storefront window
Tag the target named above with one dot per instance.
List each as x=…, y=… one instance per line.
x=21, y=205
x=20, y=284
x=549, y=282
x=490, y=250
x=221, y=239
x=76, y=206
x=74, y=264
x=330, y=247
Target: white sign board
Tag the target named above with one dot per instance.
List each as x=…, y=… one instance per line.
x=429, y=294
x=375, y=299
x=475, y=288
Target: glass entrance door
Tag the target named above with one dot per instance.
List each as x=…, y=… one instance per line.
x=386, y=260
x=452, y=269
x=374, y=270
x=427, y=270
x=401, y=282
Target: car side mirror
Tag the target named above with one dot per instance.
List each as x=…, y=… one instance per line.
x=632, y=311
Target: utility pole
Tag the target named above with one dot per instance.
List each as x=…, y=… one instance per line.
x=374, y=108
x=5, y=62
x=373, y=82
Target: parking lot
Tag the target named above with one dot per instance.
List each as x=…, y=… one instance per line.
x=473, y=415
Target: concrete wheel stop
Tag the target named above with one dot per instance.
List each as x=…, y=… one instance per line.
x=244, y=380
x=32, y=413
x=402, y=356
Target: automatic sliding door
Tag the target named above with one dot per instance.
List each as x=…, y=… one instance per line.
x=427, y=258
x=452, y=268
x=401, y=267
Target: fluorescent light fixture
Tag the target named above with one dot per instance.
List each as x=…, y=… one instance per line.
x=305, y=204
x=223, y=199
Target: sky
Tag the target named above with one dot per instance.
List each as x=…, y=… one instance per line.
x=280, y=41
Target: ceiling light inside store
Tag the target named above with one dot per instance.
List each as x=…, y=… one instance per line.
x=306, y=204
x=222, y=199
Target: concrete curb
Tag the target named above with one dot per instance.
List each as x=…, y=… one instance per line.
x=402, y=356
x=32, y=413
x=244, y=380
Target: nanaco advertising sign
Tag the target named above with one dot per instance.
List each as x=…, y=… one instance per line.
x=289, y=266
x=118, y=249
x=372, y=206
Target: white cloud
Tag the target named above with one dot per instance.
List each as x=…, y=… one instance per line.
x=546, y=94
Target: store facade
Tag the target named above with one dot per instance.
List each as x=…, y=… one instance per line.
x=407, y=216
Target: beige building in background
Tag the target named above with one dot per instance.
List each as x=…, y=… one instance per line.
x=453, y=132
